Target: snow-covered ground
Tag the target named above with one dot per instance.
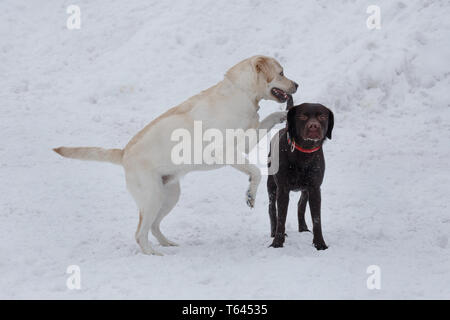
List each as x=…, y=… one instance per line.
x=386, y=189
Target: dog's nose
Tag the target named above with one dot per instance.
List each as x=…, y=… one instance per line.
x=296, y=85
x=313, y=126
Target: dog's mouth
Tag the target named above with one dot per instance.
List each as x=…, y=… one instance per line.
x=279, y=94
x=312, y=139
x=313, y=135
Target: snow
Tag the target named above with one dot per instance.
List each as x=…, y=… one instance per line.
x=385, y=194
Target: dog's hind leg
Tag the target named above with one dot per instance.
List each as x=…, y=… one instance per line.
x=301, y=212
x=147, y=191
x=172, y=194
x=272, y=191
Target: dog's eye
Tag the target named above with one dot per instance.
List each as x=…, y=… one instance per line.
x=282, y=73
x=322, y=117
x=303, y=117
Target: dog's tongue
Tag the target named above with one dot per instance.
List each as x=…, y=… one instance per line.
x=289, y=102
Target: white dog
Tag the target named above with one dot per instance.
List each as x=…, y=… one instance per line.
x=151, y=176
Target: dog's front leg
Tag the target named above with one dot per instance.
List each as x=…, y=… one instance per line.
x=314, y=204
x=301, y=208
x=254, y=178
x=282, y=208
x=263, y=128
x=272, y=119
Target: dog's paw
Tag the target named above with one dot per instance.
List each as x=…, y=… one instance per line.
x=168, y=243
x=250, y=199
x=278, y=241
x=151, y=252
x=320, y=246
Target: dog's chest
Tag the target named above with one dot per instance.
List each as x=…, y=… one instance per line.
x=303, y=176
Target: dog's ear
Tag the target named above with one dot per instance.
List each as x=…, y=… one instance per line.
x=262, y=65
x=330, y=123
x=291, y=123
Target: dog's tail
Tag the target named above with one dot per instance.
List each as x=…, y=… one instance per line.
x=92, y=154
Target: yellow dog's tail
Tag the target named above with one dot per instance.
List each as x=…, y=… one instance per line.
x=92, y=154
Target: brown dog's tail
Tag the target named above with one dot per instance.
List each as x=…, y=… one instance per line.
x=92, y=154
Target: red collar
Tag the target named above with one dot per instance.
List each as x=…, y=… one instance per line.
x=296, y=146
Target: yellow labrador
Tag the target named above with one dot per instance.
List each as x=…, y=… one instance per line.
x=151, y=175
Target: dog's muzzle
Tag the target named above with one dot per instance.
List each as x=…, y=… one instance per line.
x=313, y=131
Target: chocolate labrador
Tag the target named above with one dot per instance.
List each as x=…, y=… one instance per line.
x=301, y=168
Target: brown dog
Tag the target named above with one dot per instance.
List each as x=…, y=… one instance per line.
x=301, y=168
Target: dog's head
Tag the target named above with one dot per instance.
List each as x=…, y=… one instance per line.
x=262, y=77
x=310, y=122
x=271, y=80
